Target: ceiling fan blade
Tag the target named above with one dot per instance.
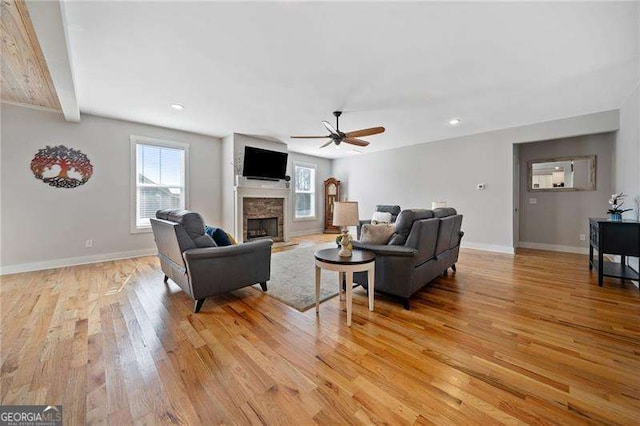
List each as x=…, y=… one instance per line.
x=354, y=141
x=330, y=128
x=326, y=144
x=365, y=132
x=310, y=137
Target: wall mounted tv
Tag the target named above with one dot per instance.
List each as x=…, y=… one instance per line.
x=264, y=164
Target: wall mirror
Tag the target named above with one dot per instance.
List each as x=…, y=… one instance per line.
x=563, y=174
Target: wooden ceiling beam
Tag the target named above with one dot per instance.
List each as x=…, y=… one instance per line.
x=48, y=20
x=25, y=75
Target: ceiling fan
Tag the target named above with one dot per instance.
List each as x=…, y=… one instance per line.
x=337, y=137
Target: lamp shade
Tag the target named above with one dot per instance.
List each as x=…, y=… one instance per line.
x=438, y=204
x=345, y=213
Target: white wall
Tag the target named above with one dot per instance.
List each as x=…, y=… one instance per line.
x=449, y=170
x=557, y=219
x=43, y=226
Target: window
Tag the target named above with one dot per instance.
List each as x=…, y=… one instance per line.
x=305, y=191
x=159, y=170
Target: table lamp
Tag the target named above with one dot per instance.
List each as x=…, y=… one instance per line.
x=345, y=213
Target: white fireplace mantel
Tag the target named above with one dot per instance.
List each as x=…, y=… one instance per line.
x=242, y=192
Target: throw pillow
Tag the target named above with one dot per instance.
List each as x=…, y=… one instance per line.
x=231, y=239
x=376, y=234
x=381, y=217
x=218, y=235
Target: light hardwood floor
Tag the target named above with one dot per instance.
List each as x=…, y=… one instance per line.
x=529, y=338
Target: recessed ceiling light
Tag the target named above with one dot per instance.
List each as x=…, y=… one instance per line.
x=355, y=151
x=454, y=122
x=177, y=107
x=557, y=168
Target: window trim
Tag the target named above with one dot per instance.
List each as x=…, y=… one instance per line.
x=315, y=192
x=133, y=187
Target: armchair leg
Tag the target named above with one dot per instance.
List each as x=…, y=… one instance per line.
x=263, y=286
x=198, y=305
x=405, y=303
x=166, y=279
x=453, y=267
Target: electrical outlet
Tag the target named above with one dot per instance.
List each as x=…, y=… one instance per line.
x=583, y=237
x=88, y=243
x=533, y=201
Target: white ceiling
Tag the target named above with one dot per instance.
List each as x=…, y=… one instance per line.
x=276, y=69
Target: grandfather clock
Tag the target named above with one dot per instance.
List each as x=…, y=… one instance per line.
x=331, y=195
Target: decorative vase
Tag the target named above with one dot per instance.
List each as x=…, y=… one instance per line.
x=615, y=217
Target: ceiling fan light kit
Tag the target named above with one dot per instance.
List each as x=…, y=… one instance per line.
x=337, y=137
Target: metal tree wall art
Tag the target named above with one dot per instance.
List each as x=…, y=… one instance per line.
x=61, y=167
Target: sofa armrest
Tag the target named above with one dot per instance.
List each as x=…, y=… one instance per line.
x=217, y=270
x=385, y=250
x=234, y=250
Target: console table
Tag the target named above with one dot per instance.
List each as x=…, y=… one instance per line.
x=620, y=238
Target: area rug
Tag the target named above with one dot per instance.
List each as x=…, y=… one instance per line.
x=293, y=278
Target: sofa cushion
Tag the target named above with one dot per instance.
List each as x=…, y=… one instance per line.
x=404, y=222
x=455, y=231
x=192, y=224
x=376, y=234
x=444, y=234
x=444, y=212
x=423, y=237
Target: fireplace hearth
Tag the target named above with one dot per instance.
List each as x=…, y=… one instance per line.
x=258, y=228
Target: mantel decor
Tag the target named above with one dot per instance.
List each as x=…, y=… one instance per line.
x=61, y=167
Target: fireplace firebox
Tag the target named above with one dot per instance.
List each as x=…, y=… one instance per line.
x=266, y=227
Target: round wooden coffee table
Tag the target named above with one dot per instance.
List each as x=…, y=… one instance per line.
x=360, y=261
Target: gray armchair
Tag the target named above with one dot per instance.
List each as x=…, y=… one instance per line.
x=193, y=261
x=424, y=245
x=383, y=208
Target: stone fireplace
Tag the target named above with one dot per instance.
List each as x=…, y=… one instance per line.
x=262, y=218
x=261, y=213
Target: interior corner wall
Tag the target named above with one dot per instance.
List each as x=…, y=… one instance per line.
x=43, y=226
x=228, y=182
x=627, y=153
x=557, y=219
x=450, y=170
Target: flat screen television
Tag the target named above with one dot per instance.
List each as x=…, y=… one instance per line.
x=264, y=164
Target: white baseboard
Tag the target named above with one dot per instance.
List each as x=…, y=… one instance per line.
x=306, y=232
x=71, y=261
x=554, y=247
x=487, y=247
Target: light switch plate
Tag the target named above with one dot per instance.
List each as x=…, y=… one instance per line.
x=533, y=201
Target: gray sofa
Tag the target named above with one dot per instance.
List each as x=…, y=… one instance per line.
x=384, y=208
x=193, y=261
x=424, y=245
